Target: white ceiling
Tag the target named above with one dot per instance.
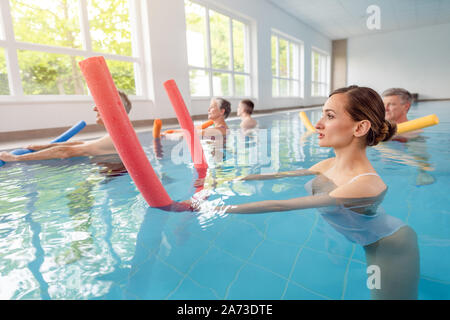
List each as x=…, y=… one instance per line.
x=339, y=19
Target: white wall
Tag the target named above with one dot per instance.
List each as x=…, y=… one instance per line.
x=415, y=59
x=165, y=57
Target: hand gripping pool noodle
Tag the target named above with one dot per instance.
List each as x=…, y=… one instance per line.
x=417, y=124
x=306, y=122
x=118, y=125
x=62, y=138
x=195, y=147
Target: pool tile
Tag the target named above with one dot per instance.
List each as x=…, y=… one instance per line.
x=295, y=292
x=434, y=258
x=189, y=290
x=290, y=227
x=256, y=284
x=215, y=270
x=275, y=256
x=322, y=272
x=151, y=280
x=325, y=238
x=183, y=256
x=231, y=239
x=432, y=290
x=356, y=287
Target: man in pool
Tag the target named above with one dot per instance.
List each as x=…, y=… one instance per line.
x=244, y=111
x=69, y=149
x=397, y=102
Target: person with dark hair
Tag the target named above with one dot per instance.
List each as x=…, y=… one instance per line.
x=244, y=111
x=70, y=149
x=348, y=192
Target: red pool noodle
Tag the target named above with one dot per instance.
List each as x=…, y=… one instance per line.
x=118, y=125
x=185, y=120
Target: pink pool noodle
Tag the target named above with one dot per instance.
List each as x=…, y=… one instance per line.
x=118, y=125
x=185, y=120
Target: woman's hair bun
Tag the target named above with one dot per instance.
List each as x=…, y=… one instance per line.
x=387, y=132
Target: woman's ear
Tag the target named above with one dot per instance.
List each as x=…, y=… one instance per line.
x=362, y=128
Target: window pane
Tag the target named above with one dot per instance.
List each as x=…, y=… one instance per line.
x=316, y=67
x=199, y=82
x=275, y=87
x=47, y=22
x=196, y=34
x=274, y=56
x=284, y=89
x=4, y=85
x=293, y=61
x=221, y=84
x=323, y=68
x=294, y=88
x=242, y=85
x=283, y=58
x=239, y=46
x=49, y=73
x=110, y=27
x=220, y=40
x=314, y=89
x=123, y=75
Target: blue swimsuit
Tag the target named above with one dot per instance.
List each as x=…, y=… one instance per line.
x=363, y=221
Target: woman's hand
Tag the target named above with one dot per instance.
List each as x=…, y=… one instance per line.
x=8, y=157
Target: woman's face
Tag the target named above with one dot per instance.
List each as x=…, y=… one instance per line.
x=214, y=111
x=336, y=127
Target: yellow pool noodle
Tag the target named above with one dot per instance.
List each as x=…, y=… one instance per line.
x=417, y=124
x=306, y=121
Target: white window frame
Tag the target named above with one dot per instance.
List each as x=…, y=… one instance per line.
x=11, y=46
x=300, y=44
x=324, y=72
x=247, y=53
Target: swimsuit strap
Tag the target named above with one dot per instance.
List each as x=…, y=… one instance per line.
x=362, y=174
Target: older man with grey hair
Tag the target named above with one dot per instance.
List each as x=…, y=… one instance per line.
x=397, y=102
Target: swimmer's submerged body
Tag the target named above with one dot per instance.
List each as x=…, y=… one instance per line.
x=348, y=192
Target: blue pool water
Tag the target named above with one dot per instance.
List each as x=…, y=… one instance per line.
x=68, y=230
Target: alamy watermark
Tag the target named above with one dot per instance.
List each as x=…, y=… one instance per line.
x=374, y=20
x=374, y=278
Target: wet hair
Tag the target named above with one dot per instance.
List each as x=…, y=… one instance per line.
x=225, y=105
x=366, y=104
x=248, y=105
x=404, y=94
x=125, y=101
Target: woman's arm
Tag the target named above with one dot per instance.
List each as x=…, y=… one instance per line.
x=37, y=147
x=283, y=205
x=277, y=175
x=58, y=152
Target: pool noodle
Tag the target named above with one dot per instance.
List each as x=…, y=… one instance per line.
x=157, y=124
x=418, y=123
x=62, y=138
x=118, y=125
x=207, y=124
x=306, y=122
x=185, y=120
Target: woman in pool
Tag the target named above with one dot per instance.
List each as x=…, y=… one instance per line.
x=348, y=190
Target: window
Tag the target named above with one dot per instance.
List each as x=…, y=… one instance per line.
x=286, y=67
x=320, y=84
x=218, y=53
x=48, y=38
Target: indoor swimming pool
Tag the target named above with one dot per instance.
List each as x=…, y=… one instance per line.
x=79, y=228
